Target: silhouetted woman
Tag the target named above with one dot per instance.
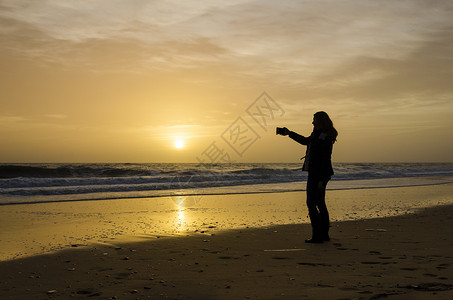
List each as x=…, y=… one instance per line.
x=318, y=163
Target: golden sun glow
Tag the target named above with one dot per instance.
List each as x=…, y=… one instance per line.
x=179, y=143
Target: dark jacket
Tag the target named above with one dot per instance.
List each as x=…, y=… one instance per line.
x=318, y=160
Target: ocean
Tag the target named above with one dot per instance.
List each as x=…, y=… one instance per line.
x=38, y=183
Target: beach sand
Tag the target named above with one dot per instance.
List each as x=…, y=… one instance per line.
x=393, y=257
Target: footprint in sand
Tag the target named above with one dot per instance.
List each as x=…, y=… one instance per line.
x=280, y=257
x=227, y=257
x=313, y=264
x=90, y=292
x=431, y=287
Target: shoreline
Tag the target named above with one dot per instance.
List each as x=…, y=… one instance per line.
x=281, y=187
x=398, y=257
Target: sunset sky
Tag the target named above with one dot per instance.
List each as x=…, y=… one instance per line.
x=164, y=81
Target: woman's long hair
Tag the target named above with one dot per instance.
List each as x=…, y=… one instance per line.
x=326, y=124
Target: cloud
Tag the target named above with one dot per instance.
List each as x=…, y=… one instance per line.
x=289, y=40
x=339, y=52
x=420, y=80
x=16, y=123
x=11, y=120
x=56, y=116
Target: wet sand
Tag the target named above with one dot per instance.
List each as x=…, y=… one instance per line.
x=33, y=229
x=395, y=257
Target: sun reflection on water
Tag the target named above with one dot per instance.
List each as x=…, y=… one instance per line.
x=180, y=222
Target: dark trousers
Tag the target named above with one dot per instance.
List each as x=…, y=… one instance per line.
x=317, y=209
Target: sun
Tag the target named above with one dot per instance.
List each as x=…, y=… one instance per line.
x=178, y=143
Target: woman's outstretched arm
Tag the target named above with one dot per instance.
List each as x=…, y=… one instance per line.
x=298, y=138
